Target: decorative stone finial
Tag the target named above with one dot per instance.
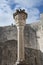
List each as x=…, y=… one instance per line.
x=20, y=17
x=19, y=11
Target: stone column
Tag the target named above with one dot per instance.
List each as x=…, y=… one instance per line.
x=20, y=19
x=20, y=43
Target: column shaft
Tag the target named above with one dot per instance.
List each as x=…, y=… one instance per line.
x=20, y=43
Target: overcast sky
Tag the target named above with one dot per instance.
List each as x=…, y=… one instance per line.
x=7, y=7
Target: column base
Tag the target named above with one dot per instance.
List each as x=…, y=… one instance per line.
x=21, y=63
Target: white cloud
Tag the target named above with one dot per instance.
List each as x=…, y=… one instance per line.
x=33, y=15
x=5, y=19
x=6, y=13
x=29, y=3
x=30, y=7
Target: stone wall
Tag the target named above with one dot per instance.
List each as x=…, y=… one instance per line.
x=10, y=32
x=41, y=58
x=30, y=37
x=8, y=54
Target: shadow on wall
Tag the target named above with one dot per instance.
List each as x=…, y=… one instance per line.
x=8, y=54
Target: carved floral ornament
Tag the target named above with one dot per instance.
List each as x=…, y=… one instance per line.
x=20, y=14
x=20, y=17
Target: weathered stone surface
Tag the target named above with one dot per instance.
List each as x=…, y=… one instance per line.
x=21, y=63
x=8, y=54
x=10, y=33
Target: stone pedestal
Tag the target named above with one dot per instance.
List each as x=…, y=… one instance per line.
x=20, y=18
